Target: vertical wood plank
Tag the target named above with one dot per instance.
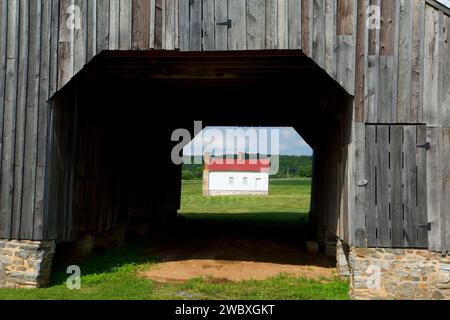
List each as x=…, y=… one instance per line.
x=208, y=25
x=256, y=22
x=371, y=189
x=306, y=23
x=388, y=25
x=141, y=25
x=10, y=96
x=282, y=25
x=152, y=23
x=417, y=61
x=195, y=25
x=163, y=24
x=271, y=24
x=54, y=47
x=386, y=95
x=29, y=171
x=434, y=187
x=383, y=180
x=421, y=188
x=318, y=34
x=103, y=11
x=91, y=29
x=404, y=55
x=345, y=59
x=177, y=26
x=359, y=218
x=114, y=24
x=374, y=34
x=444, y=77
x=295, y=24
x=66, y=38
x=42, y=121
x=330, y=37
x=445, y=81
x=183, y=17
x=237, y=35
x=4, y=218
x=409, y=185
x=221, y=32
x=361, y=61
x=169, y=25
x=371, y=112
x=20, y=116
x=345, y=17
x=431, y=68
x=445, y=215
x=80, y=38
x=158, y=24
x=126, y=17
x=396, y=185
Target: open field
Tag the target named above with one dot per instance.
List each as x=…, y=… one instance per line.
x=247, y=224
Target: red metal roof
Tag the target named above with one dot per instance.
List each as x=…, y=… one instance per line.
x=249, y=165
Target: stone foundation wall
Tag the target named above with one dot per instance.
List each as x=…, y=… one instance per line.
x=398, y=274
x=25, y=264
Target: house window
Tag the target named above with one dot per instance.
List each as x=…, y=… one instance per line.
x=231, y=181
x=245, y=181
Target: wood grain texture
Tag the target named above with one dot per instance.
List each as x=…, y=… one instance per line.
x=409, y=183
x=361, y=62
x=256, y=23
x=209, y=25
x=382, y=188
x=358, y=221
x=345, y=17
x=9, y=111
x=141, y=25
x=434, y=190
x=237, y=35
x=195, y=30
x=102, y=25
x=388, y=25
x=396, y=185
x=221, y=32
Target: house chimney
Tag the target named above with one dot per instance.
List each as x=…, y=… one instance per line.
x=205, y=182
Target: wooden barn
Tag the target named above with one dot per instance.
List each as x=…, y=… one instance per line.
x=366, y=83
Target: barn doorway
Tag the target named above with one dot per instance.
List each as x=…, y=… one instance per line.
x=229, y=227
x=111, y=165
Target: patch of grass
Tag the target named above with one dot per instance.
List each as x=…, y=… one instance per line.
x=284, y=196
x=283, y=287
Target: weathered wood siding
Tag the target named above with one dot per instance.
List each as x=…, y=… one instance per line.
x=397, y=74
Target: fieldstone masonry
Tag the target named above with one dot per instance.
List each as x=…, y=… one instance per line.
x=398, y=274
x=25, y=264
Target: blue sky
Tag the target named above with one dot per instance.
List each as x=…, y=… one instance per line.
x=445, y=2
x=290, y=142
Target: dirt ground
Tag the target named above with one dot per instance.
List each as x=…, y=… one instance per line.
x=233, y=253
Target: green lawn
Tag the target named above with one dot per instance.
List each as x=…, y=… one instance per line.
x=113, y=274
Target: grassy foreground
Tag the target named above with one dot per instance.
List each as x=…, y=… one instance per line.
x=113, y=275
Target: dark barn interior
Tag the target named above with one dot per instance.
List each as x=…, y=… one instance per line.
x=112, y=124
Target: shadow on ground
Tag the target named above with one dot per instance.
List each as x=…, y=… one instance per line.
x=237, y=247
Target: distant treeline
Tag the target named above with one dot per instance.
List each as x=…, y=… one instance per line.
x=290, y=167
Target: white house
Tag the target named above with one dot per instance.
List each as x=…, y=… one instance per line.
x=235, y=177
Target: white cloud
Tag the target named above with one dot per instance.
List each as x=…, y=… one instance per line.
x=214, y=141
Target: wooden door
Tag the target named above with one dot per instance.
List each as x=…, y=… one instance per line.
x=396, y=193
